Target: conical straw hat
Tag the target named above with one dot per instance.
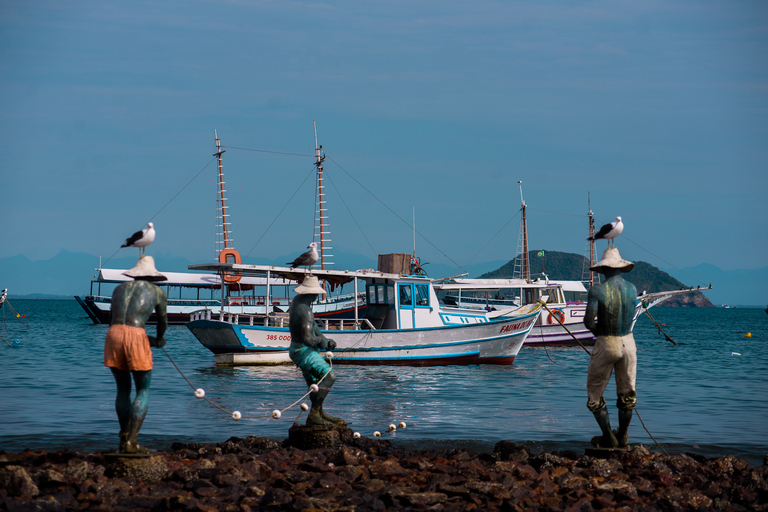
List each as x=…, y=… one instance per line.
x=145, y=269
x=310, y=285
x=612, y=259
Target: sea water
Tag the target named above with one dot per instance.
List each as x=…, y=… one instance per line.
x=708, y=394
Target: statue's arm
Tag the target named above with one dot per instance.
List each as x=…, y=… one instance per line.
x=161, y=311
x=590, y=314
x=323, y=343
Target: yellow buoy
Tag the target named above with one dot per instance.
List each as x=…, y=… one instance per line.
x=748, y=335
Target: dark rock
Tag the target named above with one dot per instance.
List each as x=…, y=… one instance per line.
x=423, y=498
x=546, y=461
x=16, y=482
x=507, y=450
x=276, y=498
x=258, y=474
x=48, y=478
x=350, y=473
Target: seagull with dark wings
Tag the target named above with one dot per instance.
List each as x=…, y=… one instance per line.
x=307, y=259
x=141, y=239
x=609, y=231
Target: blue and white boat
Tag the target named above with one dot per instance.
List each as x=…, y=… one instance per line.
x=403, y=324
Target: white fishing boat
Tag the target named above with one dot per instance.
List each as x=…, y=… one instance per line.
x=403, y=324
x=501, y=294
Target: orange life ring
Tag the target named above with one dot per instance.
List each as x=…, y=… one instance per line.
x=231, y=277
x=554, y=315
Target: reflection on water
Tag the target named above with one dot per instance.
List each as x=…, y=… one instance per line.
x=56, y=391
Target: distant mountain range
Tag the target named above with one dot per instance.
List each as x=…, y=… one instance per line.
x=68, y=274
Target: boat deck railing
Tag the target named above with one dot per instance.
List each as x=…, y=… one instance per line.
x=281, y=320
x=104, y=299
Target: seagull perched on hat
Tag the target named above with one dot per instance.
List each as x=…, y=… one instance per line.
x=307, y=259
x=609, y=231
x=141, y=239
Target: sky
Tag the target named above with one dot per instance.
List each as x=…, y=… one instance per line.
x=656, y=111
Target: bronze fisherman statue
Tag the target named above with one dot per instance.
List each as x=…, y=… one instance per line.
x=609, y=315
x=306, y=342
x=127, y=347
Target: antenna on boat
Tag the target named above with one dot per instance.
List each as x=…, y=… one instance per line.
x=322, y=227
x=414, y=231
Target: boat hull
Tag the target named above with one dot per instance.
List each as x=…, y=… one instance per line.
x=496, y=342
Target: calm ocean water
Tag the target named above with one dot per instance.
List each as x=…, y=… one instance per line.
x=698, y=396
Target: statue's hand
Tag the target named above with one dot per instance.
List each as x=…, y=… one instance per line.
x=331, y=345
x=157, y=343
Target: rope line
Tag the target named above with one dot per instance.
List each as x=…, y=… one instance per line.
x=280, y=213
x=166, y=204
x=271, y=415
x=16, y=314
x=492, y=238
x=662, y=259
x=559, y=213
x=350, y=213
x=566, y=329
x=658, y=326
x=649, y=432
x=395, y=214
x=272, y=152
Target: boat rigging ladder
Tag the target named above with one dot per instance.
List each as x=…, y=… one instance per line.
x=322, y=231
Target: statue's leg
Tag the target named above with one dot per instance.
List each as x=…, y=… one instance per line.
x=123, y=403
x=626, y=372
x=327, y=383
x=598, y=374
x=608, y=439
x=622, y=435
x=315, y=417
x=139, y=409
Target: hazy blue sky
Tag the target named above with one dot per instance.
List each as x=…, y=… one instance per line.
x=659, y=109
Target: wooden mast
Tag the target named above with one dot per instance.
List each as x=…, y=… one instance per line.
x=227, y=253
x=526, y=262
x=591, y=242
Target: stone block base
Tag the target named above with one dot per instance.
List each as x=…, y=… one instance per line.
x=307, y=438
x=146, y=467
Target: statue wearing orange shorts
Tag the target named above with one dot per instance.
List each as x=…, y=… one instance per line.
x=127, y=347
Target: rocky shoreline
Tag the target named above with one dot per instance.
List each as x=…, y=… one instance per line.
x=371, y=474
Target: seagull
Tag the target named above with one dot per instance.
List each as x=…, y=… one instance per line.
x=609, y=231
x=307, y=259
x=141, y=239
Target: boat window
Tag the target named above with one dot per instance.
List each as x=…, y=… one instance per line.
x=391, y=295
x=377, y=294
x=405, y=295
x=380, y=299
x=529, y=296
x=422, y=295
